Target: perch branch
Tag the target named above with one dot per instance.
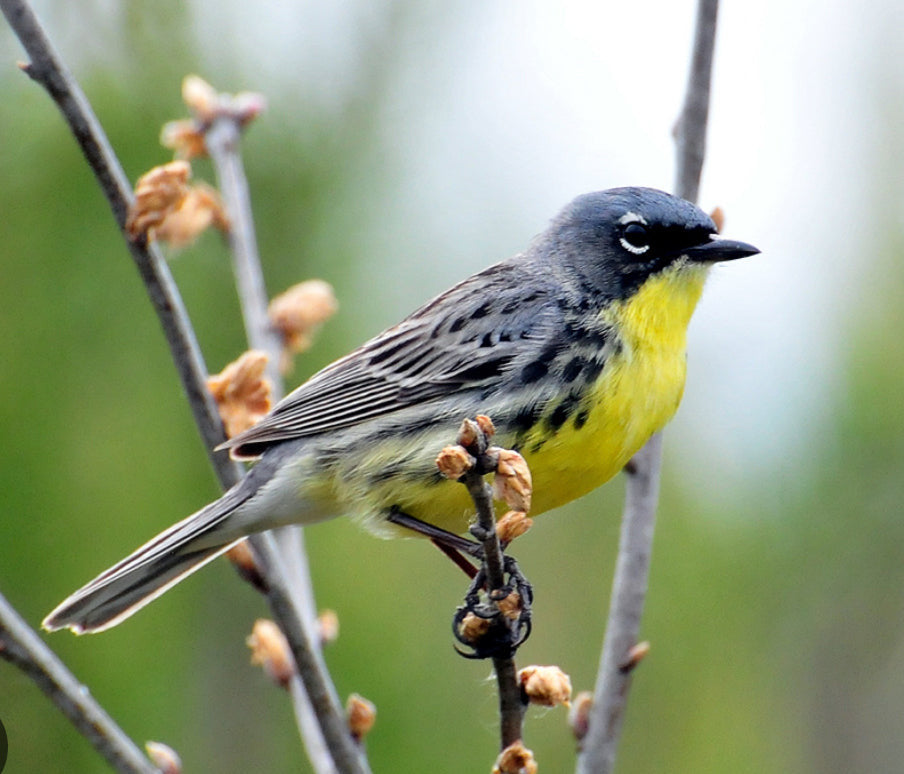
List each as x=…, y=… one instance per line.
x=222, y=141
x=474, y=437
x=511, y=706
x=629, y=586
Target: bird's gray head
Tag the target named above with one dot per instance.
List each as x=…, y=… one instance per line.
x=616, y=239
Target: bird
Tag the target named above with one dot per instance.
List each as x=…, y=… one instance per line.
x=575, y=348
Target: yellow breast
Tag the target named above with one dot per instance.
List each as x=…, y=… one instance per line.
x=636, y=394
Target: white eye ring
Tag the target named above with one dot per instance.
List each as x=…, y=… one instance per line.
x=632, y=248
x=635, y=231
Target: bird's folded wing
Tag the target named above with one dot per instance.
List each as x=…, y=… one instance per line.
x=463, y=340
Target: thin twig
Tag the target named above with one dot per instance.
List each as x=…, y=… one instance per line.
x=629, y=587
x=282, y=552
x=511, y=705
x=47, y=69
x=21, y=646
x=690, y=129
x=222, y=141
x=347, y=756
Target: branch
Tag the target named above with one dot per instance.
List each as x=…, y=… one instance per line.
x=690, y=129
x=347, y=757
x=281, y=554
x=629, y=586
x=22, y=647
x=47, y=69
x=222, y=141
x=511, y=705
x=504, y=633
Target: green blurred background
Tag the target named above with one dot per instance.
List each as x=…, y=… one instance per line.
x=408, y=144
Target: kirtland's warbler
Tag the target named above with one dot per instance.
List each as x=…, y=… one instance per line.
x=575, y=348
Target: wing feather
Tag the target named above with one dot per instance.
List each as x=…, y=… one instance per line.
x=435, y=352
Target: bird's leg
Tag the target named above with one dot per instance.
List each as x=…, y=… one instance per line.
x=456, y=547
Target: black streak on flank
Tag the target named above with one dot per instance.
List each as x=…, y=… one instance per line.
x=526, y=418
x=592, y=369
x=534, y=371
x=560, y=413
x=538, y=368
x=573, y=369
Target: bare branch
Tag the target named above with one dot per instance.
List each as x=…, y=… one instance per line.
x=21, y=646
x=47, y=69
x=347, y=756
x=511, y=703
x=281, y=552
x=222, y=141
x=629, y=587
x=690, y=129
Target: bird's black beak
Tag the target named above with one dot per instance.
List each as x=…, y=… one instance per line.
x=719, y=250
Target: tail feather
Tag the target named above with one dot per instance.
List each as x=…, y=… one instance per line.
x=149, y=571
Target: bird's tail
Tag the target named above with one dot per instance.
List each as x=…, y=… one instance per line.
x=152, y=569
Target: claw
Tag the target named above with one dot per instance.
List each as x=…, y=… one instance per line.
x=504, y=633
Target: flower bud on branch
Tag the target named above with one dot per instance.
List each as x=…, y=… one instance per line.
x=362, y=714
x=164, y=757
x=515, y=759
x=548, y=686
x=270, y=649
x=241, y=392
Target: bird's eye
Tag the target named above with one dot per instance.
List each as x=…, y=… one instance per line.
x=635, y=238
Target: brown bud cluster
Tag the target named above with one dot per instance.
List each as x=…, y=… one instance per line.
x=361, y=714
x=241, y=392
x=185, y=137
x=157, y=193
x=298, y=314
x=636, y=654
x=545, y=685
x=511, y=606
x=207, y=104
x=511, y=525
x=453, y=462
x=200, y=209
x=468, y=433
x=486, y=425
x=200, y=97
x=512, y=482
x=515, y=759
x=473, y=628
x=270, y=649
x=242, y=558
x=718, y=216
x=168, y=209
